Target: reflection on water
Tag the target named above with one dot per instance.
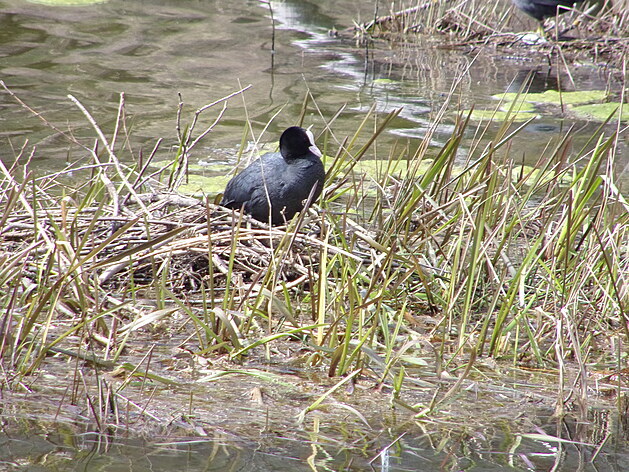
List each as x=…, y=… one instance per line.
x=537, y=81
x=39, y=446
x=206, y=49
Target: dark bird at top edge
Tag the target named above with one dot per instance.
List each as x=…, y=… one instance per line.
x=276, y=185
x=542, y=9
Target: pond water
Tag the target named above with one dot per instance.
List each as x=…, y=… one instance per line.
x=62, y=450
x=207, y=49
x=39, y=435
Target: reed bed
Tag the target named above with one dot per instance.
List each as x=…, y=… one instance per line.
x=600, y=32
x=414, y=273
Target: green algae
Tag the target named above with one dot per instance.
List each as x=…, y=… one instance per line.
x=385, y=81
x=204, y=184
x=497, y=115
x=375, y=168
x=198, y=185
x=602, y=111
x=518, y=111
x=585, y=104
x=554, y=97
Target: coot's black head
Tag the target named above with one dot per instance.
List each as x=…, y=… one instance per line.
x=297, y=143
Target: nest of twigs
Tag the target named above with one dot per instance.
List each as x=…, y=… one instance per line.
x=180, y=240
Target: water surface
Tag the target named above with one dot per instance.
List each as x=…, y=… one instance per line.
x=206, y=49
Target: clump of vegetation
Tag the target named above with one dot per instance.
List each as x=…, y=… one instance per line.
x=601, y=31
x=413, y=272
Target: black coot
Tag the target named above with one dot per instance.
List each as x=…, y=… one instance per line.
x=284, y=179
x=542, y=9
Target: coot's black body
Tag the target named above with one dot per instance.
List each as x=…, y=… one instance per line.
x=284, y=179
x=542, y=9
